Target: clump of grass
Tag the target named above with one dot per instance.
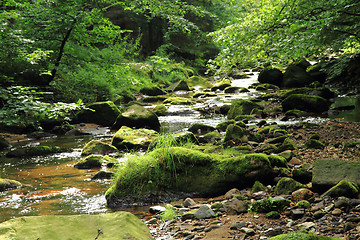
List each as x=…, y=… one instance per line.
x=169, y=213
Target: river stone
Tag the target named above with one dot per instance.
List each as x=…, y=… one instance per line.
x=272, y=76
x=92, y=161
x=235, y=206
x=235, y=133
x=189, y=202
x=179, y=86
x=302, y=194
x=328, y=172
x=118, y=225
x=241, y=107
x=103, y=175
x=138, y=117
x=7, y=184
x=200, y=128
x=296, y=76
x=97, y=147
x=248, y=231
x=33, y=151
x=308, y=103
x=127, y=139
x=343, y=188
x=287, y=185
x=204, y=212
x=102, y=113
x=152, y=91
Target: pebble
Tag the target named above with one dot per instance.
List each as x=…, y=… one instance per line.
x=336, y=212
x=306, y=225
x=248, y=231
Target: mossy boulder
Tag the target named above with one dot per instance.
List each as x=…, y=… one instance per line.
x=138, y=117
x=278, y=161
x=210, y=137
x=258, y=186
x=118, y=225
x=3, y=143
x=179, y=86
x=270, y=204
x=232, y=89
x=314, y=144
x=221, y=85
x=343, y=188
x=296, y=113
x=307, y=103
x=152, y=91
x=7, y=184
x=241, y=107
x=179, y=101
x=271, y=76
x=97, y=147
x=328, y=172
x=287, y=185
x=200, y=128
x=273, y=215
x=160, y=110
x=222, y=126
x=266, y=86
x=296, y=76
x=102, y=113
x=127, y=138
x=179, y=169
x=302, y=175
x=33, y=151
x=235, y=134
x=93, y=161
x=204, y=94
x=302, y=236
x=303, y=204
x=288, y=144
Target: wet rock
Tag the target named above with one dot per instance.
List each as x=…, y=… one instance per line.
x=343, y=188
x=302, y=194
x=156, y=209
x=232, y=193
x=103, y=175
x=7, y=184
x=273, y=215
x=92, y=161
x=306, y=103
x=179, y=86
x=126, y=138
x=271, y=76
x=297, y=213
x=102, y=113
x=200, y=128
x=189, y=202
x=204, y=94
x=306, y=225
x=152, y=91
x=204, y=212
x=235, y=206
x=97, y=147
x=319, y=214
x=235, y=90
x=241, y=107
x=221, y=85
x=296, y=76
x=314, y=144
x=33, y=151
x=138, y=117
x=237, y=226
x=272, y=232
x=329, y=172
x=160, y=110
x=287, y=186
x=248, y=231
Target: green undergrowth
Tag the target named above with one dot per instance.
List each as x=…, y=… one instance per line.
x=301, y=236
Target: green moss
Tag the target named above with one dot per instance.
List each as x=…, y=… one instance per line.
x=97, y=147
x=287, y=186
x=160, y=110
x=296, y=113
x=222, y=126
x=307, y=103
x=200, y=128
x=34, y=151
x=235, y=133
x=343, y=188
x=7, y=184
x=153, y=99
x=273, y=215
x=92, y=161
x=199, y=81
x=304, y=204
x=235, y=90
x=266, y=86
x=278, y=161
x=269, y=204
x=301, y=236
x=241, y=107
x=258, y=186
x=119, y=225
x=204, y=94
x=314, y=144
x=243, y=117
x=126, y=138
x=268, y=129
x=216, y=206
x=286, y=145
x=179, y=101
x=221, y=85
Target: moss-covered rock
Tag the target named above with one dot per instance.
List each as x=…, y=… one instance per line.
x=221, y=85
x=287, y=154
x=302, y=236
x=160, y=110
x=118, y=225
x=7, y=184
x=178, y=169
x=307, y=103
x=266, y=86
x=200, y=128
x=127, y=139
x=236, y=90
x=343, y=188
x=296, y=113
x=286, y=145
x=204, y=94
x=235, y=134
x=222, y=126
x=273, y=215
x=139, y=117
x=102, y=113
x=93, y=161
x=278, y=161
x=302, y=175
x=303, y=204
x=257, y=187
x=33, y=151
x=272, y=76
x=97, y=147
x=241, y=107
x=152, y=91
x=154, y=99
x=179, y=101
x=179, y=86
x=314, y=144
x=296, y=76
x=287, y=185
x=270, y=204
x=210, y=137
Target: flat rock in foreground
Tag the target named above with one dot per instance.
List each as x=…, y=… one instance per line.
x=119, y=225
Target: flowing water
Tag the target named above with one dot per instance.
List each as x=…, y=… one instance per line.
x=53, y=186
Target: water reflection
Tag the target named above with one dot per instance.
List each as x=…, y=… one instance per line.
x=346, y=108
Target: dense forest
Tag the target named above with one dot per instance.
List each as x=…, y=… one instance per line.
x=85, y=51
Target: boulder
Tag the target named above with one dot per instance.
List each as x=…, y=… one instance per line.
x=232, y=89
x=118, y=225
x=127, y=139
x=179, y=170
x=160, y=110
x=179, y=86
x=343, y=188
x=287, y=185
x=138, y=117
x=92, y=161
x=270, y=204
x=314, y=144
x=271, y=76
x=103, y=175
x=241, y=107
x=235, y=133
x=200, y=128
x=204, y=94
x=97, y=147
x=152, y=91
x=7, y=184
x=308, y=103
x=327, y=173
x=179, y=101
x=33, y=151
x=296, y=76
x=236, y=206
x=204, y=212
x=221, y=85
x=222, y=126
x=266, y=86
x=102, y=113
x=302, y=194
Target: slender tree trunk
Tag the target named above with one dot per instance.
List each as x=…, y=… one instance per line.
x=61, y=53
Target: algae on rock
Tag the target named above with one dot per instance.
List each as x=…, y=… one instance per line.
x=97, y=147
x=127, y=139
x=7, y=184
